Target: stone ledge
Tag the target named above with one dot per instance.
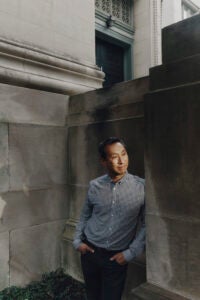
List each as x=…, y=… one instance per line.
x=176, y=73
x=33, y=68
x=149, y=291
x=120, y=101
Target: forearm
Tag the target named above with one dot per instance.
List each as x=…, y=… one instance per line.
x=136, y=247
x=85, y=215
x=138, y=244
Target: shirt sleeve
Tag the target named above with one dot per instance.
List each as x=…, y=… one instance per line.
x=137, y=246
x=85, y=215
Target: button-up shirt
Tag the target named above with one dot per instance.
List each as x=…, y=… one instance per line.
x=111, y=214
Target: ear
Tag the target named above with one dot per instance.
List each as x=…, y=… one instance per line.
x=103, y=161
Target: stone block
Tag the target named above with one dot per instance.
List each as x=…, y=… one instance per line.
x=120, y=101
x=23, y=105
x=34, y=251
x=37, y=156
x=77, y=196
x=4, y=168
x=172, y=152
x=71, y=260
x=175, y=73
x=152, y=292
x=4, y=260
x=33, y=207
x=173, y=260
x=84, y=164
x=181, y=40
x=136, y=275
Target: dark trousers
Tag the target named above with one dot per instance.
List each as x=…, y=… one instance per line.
x=104, y=279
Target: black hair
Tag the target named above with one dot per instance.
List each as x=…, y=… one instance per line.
x=109, y=141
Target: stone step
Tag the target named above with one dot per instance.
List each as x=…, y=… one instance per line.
x=175, y=73
x=181, y=40
x=151, y=292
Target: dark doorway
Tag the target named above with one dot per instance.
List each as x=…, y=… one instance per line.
x=110, y=58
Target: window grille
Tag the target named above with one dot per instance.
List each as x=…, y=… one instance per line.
x=120, y=9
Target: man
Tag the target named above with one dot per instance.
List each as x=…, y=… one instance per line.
x=106, y=233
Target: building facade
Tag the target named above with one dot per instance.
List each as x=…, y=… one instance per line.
x=49, y=51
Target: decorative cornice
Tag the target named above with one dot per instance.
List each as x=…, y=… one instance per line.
x=117, y=24
x=32, y=67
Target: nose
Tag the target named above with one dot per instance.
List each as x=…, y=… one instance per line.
x=120, y=160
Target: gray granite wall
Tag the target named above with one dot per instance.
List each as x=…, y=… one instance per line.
x=93, y=116
x=33, y=190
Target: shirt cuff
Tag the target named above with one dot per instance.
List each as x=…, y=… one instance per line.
x=76, y=243
x=128, y=255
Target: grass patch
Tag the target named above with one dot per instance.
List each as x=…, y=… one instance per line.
x=53, y=286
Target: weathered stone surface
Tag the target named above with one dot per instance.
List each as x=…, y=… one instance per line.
x=33, y=207
x=172, y=152
x=4, y=260
x=181, y=39
x=63, y=61
x=4, y=168
x=68, y=38
x=173, y=254
x=34, y=251
x=172, y=169
x=23, y=105
x=136, y=276
x=84, y=164
x=175, y=73
x=148, y=291
x=71, y=260
x=37, y=156
x=77, y=196
x=120, y=101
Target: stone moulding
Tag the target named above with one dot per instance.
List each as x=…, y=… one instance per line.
x=31, y=67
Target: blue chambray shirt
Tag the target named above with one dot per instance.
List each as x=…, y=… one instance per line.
x=111, y=213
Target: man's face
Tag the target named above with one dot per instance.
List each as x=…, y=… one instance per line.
x=116, y=161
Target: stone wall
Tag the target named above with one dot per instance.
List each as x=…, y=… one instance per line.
x=49, y=45
x=172, y=168
x=93, y=116
x=33, y=190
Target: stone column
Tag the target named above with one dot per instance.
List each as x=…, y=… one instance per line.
x=172, y=166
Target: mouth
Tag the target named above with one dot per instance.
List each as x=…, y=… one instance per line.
x=122, y=167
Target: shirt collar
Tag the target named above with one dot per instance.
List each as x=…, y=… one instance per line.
x=122, y=180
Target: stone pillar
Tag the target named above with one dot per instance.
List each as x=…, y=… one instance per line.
x=49, y=45
x=172, y=166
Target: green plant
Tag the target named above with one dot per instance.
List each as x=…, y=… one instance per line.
x=53, y=286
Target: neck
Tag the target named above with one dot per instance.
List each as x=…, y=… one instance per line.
x=115, y=177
